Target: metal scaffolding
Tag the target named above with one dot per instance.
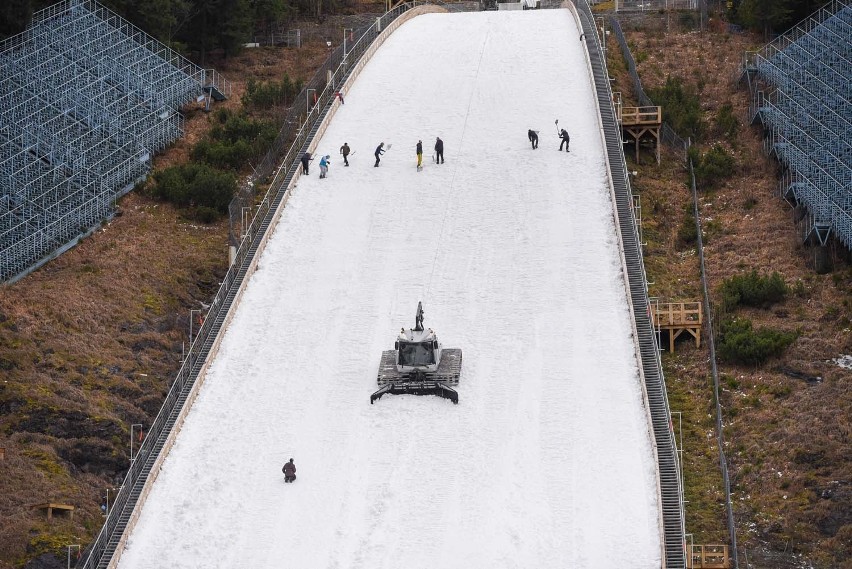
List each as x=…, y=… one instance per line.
x=86, y=99
x=802, y=94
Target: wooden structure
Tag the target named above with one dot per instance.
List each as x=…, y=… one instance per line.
x=60, y=510
x=677, y=318
x=641, y=123
x=708, y=557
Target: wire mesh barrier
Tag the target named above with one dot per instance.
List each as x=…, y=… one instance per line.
x=656, y=5
x=86, y=99
x=667, y=133
x=672, y=139
x=669, y=467
x=801, y=87
x=711, y=334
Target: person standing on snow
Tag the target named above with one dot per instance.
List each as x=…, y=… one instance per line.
x=439, y=151
x=533, y=136
x=306, y=160
x=324, y=162
x=289, y=471
x=380, y=149
x=419, y=155
x=566, y=140
x=345, y=151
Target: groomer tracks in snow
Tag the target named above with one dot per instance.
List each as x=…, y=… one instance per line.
x=546, y=461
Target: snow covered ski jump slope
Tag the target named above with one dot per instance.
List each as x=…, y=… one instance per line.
x=546, y=462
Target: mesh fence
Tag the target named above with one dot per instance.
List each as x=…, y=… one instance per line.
x=671, y=138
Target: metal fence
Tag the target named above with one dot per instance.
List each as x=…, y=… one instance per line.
x=669, y=468
x=672, y=139
x=667, y=133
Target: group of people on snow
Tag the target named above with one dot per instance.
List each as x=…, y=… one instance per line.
x=438, y=157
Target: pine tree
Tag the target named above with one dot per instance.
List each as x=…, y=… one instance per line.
x=766, y=15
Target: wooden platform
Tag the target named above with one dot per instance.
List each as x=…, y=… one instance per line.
x=708, y=557
x=639, y=123
x=61, y=510
x=677, y=318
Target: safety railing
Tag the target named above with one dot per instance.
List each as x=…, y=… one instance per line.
x=668, y=458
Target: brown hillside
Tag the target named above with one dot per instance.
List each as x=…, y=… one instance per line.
x=786, y=422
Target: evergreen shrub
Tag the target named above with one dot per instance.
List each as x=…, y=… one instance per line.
x=739, y=343
x=752, y=289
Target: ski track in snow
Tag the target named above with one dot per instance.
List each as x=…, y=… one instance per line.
x=546, y=462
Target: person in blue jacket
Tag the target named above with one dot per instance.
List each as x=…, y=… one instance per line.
x=324, y=162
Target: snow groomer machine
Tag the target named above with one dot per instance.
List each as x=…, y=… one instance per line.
x=419, y=365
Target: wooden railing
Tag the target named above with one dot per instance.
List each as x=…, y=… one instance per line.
x=640, y=116
x=709, y=557
x=679, y=317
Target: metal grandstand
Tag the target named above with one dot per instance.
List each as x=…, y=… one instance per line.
x=801, y=85
x=86, y=99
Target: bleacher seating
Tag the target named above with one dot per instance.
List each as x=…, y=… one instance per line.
x=803, y=97
x=86, y=99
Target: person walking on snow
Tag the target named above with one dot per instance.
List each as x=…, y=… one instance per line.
x=324, y=162
x=306, y=160
x=380, y=149
x=345, y=151
x=419, y=155
x=566, y=140
x=533, y=136
x=439, y=151
x=289, y=471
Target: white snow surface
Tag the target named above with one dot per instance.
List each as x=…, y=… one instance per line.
x=546, y=462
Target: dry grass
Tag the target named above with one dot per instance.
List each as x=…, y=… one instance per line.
x=787, y=434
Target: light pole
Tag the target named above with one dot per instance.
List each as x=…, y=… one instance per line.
x=77, y=545
x=350, y=30
x=133, y=426
x=108, y=490
x=308, y=101
x=191, y=322
x=246, y=215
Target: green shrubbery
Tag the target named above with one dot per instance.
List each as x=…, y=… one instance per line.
x=263, y=95
x=234, y=141
x=681, y=107
x=207, y=185
x=739, y=343
x=755, y=290
x=198, y=186
x=712, y=167
x=727, y=122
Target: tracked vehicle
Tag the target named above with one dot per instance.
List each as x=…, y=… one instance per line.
x=419, y=365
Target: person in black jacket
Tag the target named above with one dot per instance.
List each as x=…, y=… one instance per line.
x=345, y=151
x=566, y=140
x=289, y=471
x=419, y=155
x=533, y=136
x=306, y=160
x=380, y=149
x=439, y=151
